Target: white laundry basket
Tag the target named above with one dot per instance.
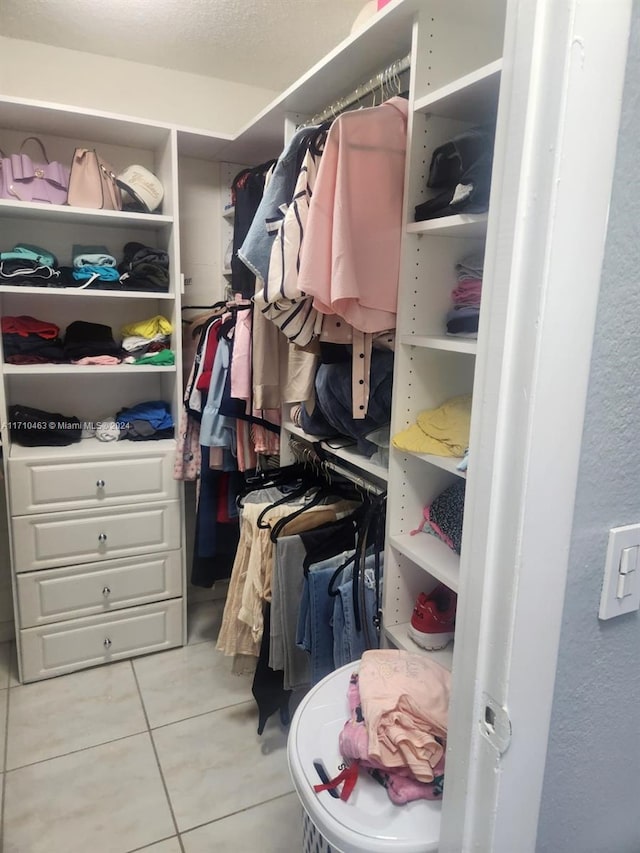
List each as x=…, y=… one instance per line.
x=369, y=822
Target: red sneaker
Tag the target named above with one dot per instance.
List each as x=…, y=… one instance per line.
x=434, y=618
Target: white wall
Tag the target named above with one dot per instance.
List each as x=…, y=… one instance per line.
x=44, y=73
x=590, y=800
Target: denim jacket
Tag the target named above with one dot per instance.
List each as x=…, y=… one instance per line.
x=255, y=251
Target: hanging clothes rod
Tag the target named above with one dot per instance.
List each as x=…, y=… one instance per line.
x=305, y=452
x=387, y=81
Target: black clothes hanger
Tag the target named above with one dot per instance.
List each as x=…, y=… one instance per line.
x=203, y=307
x=337, y=574
x=259, y=479
x=324, y=491
x=371, y=533
x=296, y=493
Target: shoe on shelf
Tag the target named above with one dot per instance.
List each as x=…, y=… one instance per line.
x=434, y=617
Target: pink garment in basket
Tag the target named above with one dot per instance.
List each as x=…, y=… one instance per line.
x=405, y=702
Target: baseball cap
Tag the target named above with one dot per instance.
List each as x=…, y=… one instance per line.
x=142, y=186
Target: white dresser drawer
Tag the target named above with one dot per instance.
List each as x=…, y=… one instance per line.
x=69, y=538
x=48, y=485
x=54, y=649
x=52, y=595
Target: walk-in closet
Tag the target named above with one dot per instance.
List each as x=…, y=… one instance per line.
x=317, y=419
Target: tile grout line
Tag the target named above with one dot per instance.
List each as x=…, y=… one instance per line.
x=5, y=734
x=157, y=757
x=72, y=752
x=153, y=844
x=241, y=811
x=199, y=714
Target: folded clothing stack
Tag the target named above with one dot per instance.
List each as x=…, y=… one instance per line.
x=36, y=428
x=444, y=515
x=463, y=318
x=94, y=265
x=91, y=343
x=144, y=268
x=149, y=421
x=148, y=341
x=29, y=265
x=442, y=432
x=26, y=340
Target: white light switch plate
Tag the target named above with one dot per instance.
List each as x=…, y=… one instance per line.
x=621, y=587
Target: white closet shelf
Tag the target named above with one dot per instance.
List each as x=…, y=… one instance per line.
x=84, y=369
x=431, y=554
x=227, y=272
x=449, y=343
x=94, y=447
x=82, y=123
x=201, y=144
x=447, y=463
x=461, y=225
x=83, y=215
x=379, y=42
x=79, y=292
x=229, y=212
x=472, y=98
x=350, y=455
x=399, y=636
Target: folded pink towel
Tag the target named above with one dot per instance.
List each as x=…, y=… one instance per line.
x=97, y=359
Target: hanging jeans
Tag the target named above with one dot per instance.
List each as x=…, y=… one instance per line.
x=315, y=631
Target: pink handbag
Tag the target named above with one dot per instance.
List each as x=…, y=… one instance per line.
x=23, y=179
x=93, y=182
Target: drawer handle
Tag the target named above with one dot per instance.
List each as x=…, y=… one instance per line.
x=107, y=643
x=102, y=537
x=101, y=484
x=106, y=592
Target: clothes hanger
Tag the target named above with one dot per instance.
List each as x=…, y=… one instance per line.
x=296, y=493
x=325, y=490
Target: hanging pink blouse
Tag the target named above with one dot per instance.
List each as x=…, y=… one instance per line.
x=351, y=254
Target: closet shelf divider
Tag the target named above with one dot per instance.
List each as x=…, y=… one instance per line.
x=430, y=554
x=82, y=215
x=84, y=369
x=469, y=98
x=80, y=293
x=449, y=343
x=447, y=463
x=460, y=225
x=399, y=636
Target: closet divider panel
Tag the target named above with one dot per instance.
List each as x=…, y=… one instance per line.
x=456, y=61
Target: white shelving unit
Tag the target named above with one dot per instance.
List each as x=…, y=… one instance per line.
x=431, y=366
x=91, y=473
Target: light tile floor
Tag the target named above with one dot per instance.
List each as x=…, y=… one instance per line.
x=159, y=753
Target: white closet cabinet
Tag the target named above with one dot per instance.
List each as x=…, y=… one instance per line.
x=96, y=527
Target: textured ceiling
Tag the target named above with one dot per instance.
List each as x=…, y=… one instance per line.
x=268, y=43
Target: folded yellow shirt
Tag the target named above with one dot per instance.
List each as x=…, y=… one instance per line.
x=443, y=431
x=157, y=325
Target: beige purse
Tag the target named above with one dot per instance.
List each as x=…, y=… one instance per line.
x=92, y=182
